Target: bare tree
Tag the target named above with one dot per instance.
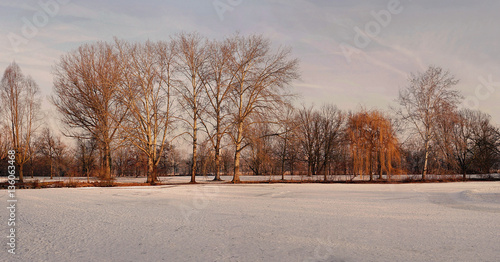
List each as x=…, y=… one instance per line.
x=425, y=99
x=288, y=137
x=320, y=135
x=19, y=95
x=86, y=93
x=486, y=143
x=467, y=141
x=51, y=148
x=192, y=56
x=332, y=124
x=310, y=138
x=85, y=156
x=147, y=93
x=259, y=157
x=260, y=80
x=217, y=83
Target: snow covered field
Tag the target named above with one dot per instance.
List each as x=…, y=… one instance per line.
x=258, y=222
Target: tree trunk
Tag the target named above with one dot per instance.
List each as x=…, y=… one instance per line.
x=389, y=167
x=195, y=141
x=51, y=169
x=283, y=169
x=426, y=157
x=236, y=175
x=325, y=171
x=107, y=163
x=151, y=174
x=237, y=154
x=283, y=160
x=380, y=171
x=370, y=165
x=217, y=163
x=21, y=178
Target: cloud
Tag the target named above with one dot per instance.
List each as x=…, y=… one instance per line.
x=461, y=36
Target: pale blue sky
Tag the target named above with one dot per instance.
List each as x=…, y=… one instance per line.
x=461, y=36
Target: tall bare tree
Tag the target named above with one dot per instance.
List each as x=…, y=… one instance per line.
x=261, y=76
x=192, y=56
x=428, y=96
x=147, y=92
x=86, y=92
x=217, y=83
x=20, y=106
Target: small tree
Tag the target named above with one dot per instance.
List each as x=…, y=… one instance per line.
x=287, y=134
x=52, y=149
x=486, y=143
x=86, y=155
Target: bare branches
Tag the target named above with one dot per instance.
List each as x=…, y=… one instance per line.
x=86, y=86
x=428, y=96
x=146, y=91
x=192, y=56
x=260, y=79
x=19, y=96
x=320, y=132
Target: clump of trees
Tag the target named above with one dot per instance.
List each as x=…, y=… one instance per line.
x=128, y=105
x=122, y=92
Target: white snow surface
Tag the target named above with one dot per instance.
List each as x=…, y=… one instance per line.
x=258, y=222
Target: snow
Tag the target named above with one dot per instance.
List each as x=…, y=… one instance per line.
x=258, y=222
x=209, y=178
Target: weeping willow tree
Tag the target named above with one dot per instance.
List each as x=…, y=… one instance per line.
x=373, y=144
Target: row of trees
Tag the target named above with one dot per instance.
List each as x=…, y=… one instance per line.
x=138, y=93
x=126, y=104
